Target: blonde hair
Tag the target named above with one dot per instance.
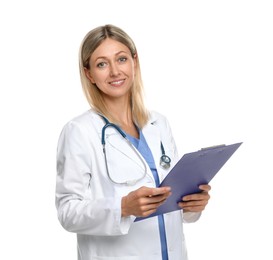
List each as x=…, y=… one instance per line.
x=93, y=95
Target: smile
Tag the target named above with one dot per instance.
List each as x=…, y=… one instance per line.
x=117, y=83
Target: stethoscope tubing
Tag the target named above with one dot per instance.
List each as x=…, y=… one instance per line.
x=164, y=159
x=108, y=124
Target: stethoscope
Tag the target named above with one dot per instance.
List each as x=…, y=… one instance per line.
x=165, y=160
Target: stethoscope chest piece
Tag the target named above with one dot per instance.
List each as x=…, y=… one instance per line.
x=165, y=161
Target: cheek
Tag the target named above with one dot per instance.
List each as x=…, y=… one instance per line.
x=131, y=71
x=95, y=78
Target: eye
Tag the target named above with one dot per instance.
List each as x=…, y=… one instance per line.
x=122, y=59
x=101, y=64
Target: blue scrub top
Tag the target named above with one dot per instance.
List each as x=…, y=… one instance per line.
x=142, y=146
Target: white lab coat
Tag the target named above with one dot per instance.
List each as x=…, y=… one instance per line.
x=89, y=204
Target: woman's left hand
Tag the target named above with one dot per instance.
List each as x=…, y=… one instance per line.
x=196, y=202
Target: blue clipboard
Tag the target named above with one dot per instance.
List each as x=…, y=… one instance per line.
x=192, y=170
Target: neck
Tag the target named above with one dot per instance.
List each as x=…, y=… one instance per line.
x=120, y=111
x=122, y=116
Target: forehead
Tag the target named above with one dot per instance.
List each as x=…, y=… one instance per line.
x=109, y=48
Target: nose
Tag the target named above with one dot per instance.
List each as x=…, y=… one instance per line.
x=114, y=70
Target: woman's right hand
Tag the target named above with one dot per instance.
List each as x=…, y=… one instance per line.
x=144, y=201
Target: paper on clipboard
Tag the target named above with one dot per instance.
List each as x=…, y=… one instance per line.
x=192, y=170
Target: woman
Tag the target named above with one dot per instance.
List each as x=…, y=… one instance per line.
x=103, y=181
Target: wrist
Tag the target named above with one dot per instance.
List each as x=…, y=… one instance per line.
x=124, y=212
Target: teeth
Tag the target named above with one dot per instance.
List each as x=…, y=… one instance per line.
x=117, y=82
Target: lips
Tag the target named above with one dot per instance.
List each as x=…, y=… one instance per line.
x=117, y=83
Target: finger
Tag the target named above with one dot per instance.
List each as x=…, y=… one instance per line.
x=152, y=201
x=148, y=209
x=197, y=196
x=160, y=191
x=149, y=192
x=193, y=203
x=165, y=194
x=146, y=213
x=158, y=199
x=205, y=187
x=193, y=206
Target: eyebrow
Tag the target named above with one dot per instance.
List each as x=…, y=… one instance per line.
x=116, y=54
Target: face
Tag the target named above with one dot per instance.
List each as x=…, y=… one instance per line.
x=112, y=69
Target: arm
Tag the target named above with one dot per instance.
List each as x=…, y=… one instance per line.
x=82, y=204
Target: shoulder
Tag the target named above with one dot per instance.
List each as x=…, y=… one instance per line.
x=83, y=118
x=86, y=118
x=85, y=122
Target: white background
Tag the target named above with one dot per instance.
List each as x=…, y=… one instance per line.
x=207, y=65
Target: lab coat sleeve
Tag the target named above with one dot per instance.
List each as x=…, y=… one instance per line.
x=191, y=217
x=78, y=211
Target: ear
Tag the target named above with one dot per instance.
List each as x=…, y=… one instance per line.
x=88, y=75
x=135, y=59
